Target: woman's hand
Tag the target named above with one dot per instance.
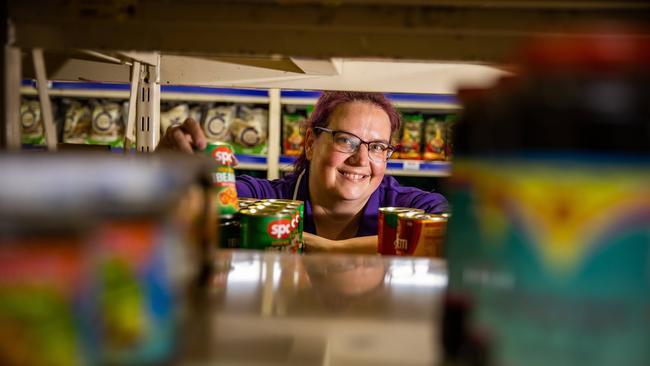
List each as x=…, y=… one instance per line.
x=363, y=244
x=185, y=137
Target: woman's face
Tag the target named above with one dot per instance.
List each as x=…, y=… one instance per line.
x=349, y=176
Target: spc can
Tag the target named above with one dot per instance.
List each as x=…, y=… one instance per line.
x=223, y=178
x=268, y=229
x=387, y=228
x=420, y=235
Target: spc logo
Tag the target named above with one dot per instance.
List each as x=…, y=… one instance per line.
x=279, y=229
x=222, y=155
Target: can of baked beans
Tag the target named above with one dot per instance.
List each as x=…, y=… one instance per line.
x=420, y=235
x=223, y=178
x=270, y=228
x=387, y=228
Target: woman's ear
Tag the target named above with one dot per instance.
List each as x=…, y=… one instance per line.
x=310, y=137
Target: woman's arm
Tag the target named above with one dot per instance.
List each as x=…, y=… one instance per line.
x=362, y=244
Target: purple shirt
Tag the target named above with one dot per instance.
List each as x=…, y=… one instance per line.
x=389, y=193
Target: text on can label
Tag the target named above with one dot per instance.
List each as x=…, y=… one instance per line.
x=279, y=229
x=222, y=155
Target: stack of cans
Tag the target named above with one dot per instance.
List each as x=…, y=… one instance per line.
x=407, y=231
x=267, y=224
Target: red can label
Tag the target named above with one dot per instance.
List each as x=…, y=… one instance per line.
x=387, y=228
x=420, y=235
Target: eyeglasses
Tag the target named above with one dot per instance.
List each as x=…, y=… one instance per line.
x=346, y=142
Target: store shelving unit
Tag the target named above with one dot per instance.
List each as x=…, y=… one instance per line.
x=272, y=163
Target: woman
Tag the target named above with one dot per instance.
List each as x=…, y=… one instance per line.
x=340, y=174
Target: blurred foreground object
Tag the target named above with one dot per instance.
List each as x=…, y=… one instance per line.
x=91, y=259
x=549, y=243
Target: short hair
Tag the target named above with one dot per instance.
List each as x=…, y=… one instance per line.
x=327, y=104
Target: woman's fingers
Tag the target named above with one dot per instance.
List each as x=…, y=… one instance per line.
x=193, y=129
x=181, y=141
x=185, y=137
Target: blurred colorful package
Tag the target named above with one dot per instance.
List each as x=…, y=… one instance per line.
x=249, y=130
x=107, y=125
x=435, y=138
x=293, y=125
x=45, y=309
x=548, y=245
x=136, y=303
x=411, y=136
x=31, y=123
x=217, y=122
x=91, y=263
x=77, y=125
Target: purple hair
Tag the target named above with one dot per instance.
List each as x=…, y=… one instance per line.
x=327, y=104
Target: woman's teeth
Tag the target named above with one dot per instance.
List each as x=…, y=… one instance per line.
x=353, y=176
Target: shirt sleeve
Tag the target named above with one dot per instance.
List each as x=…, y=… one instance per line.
x=401, y=196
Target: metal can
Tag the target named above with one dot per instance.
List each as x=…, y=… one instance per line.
x=267, y=229
x=420, y=235
x=223, y=178
x=229, y=231
x=387, y=228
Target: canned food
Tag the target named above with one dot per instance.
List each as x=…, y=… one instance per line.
x=420, y=235
x=223, y=178
x=387, y=228
x=268, y=229
x=229, y=231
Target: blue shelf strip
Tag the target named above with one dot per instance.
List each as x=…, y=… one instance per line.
x=251, y=159
x=395, y=97
x=60, y=85
x=285, y=159
x=306, y=94
x=429, y=166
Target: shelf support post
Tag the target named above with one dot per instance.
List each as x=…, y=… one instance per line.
x=11, y=103
x=274, y=139
x=44, y=98
x=147, y=123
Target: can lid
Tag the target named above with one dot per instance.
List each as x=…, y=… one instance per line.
x=262, y=212
x=399, y=209
x=431, y=217
x=409, y=215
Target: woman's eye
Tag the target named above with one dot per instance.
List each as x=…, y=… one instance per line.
x=345, y=141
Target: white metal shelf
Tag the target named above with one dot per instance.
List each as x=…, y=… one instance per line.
x=165, y=96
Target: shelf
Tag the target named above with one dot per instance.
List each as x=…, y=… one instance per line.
x=204, y=94
x=168, y=92
x=418, y=168
x=413, y=168
x=251, y=162
x=434, y=102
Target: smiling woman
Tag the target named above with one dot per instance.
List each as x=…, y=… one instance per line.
x=340, y=174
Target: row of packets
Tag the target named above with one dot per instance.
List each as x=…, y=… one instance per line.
x=244, y=126
x=425, y=138
x=77, y=122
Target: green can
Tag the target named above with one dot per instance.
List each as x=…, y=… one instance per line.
x=223, y=178
x=267, y=229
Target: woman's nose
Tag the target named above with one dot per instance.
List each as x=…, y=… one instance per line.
x=360, y=157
